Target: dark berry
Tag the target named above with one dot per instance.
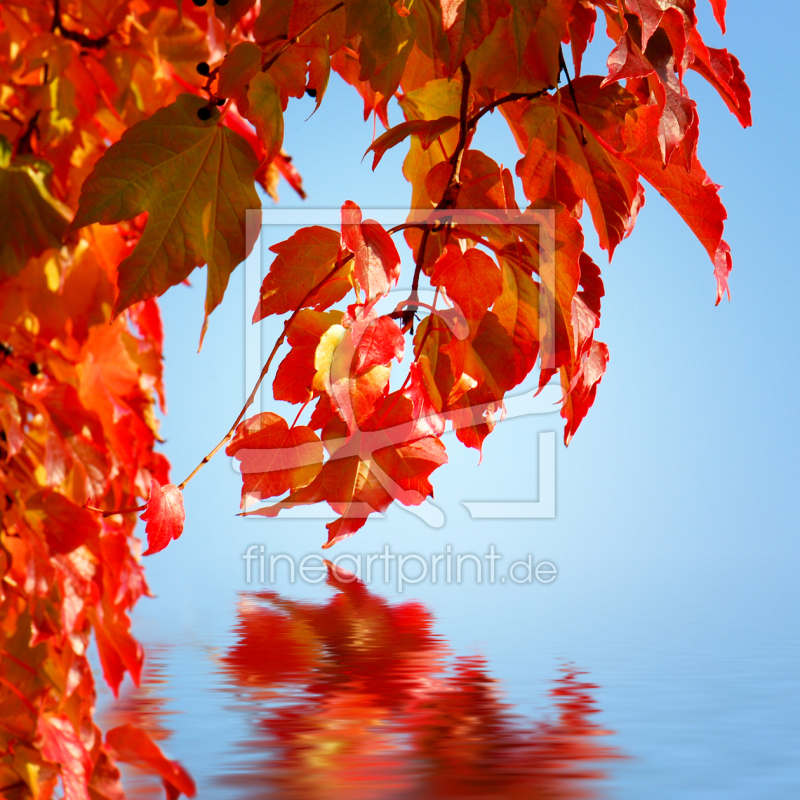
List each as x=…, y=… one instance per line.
x=221, y=2
x=311, y=92
x=203, y=68
x=221, y=101
x=34, y=369
x=200, y=2
x=203, y=113
x=6, y=349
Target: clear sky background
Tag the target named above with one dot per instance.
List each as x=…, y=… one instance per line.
x=676, y=533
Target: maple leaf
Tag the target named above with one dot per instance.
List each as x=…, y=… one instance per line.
x=467, y=23
x=690, y=193
x=390, y=456
x=352, y=362
x=67, y=526
x=164, y=516
x=558, y=164
x=194, y=178
x=240, y=66
x=722, y=71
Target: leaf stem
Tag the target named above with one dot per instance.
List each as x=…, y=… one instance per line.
x=264, y=371
x=305, y=30
x=509, y=98
x=563, y=68
x=118, y=511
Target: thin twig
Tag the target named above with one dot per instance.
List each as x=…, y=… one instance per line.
x=563, y=68
x=264, y=371
x=408, y=313
x=135, y=510
x=509, y=98
x=305, y=30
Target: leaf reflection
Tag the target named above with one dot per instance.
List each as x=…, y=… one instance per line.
x=357, y=698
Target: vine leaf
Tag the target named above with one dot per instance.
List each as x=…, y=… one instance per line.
x=274, y=457
x=301, y=263
x=195, y=180
x=471, y=279
x=164, y=516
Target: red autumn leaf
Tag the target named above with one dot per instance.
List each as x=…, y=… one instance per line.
x=470, y=278
x=381, y=341
x=719, y=12
x=580, y=394
x=164, y=516
x=377, y=262
x=722, y=71
x=274, y=457
x=295, y=375
x=62, y=746
x=302, y=262
x=289, y=171
x=467, y=23
x=66, y=526
x=389, y=458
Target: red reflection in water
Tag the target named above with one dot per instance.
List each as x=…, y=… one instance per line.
x=357, y=698
x=145, y=707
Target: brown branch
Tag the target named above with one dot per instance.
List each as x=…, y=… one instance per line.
x=291, y=41
x=408, y=313
x=75, y=36
x=509, y=98
x=451, y=192
x=265, y=370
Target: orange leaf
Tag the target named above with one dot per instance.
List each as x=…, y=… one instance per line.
x=164, y=516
